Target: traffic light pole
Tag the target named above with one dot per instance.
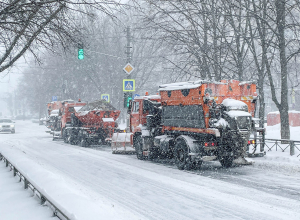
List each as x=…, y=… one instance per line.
x=127, y=94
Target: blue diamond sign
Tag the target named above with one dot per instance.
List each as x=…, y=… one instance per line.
x=128, y=85
x=105, y=97
x=135, y=95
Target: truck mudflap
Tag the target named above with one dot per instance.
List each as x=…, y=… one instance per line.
x=121, y=143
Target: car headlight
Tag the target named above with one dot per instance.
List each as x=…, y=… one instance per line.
x=12, y=126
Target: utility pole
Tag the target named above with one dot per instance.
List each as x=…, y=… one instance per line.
x=128, y=46
x=127, y=95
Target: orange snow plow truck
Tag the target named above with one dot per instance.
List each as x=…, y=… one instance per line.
x=94, y=123
x=192, y=122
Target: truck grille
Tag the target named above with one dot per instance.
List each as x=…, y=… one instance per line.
x=245, y=134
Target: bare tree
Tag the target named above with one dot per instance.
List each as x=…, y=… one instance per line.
x=30, y=25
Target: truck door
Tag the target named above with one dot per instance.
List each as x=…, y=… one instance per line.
x=134, y=116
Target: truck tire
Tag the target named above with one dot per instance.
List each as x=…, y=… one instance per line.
x=138, y=145
x=70, y=139
x=182, y=158
x=65, y=136
x=226, y=161
x=84, y=143
x=153, y=153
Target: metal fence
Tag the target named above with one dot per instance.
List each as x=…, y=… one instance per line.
x=282, y=145
x=27, y=185
x=267, y=144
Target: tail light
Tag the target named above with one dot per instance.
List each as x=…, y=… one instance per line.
x=210, y=144
x=251, y=142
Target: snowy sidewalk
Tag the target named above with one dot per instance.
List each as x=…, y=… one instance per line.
x=273, y=132
x=16, y=203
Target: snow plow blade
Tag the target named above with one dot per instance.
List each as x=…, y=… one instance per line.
x=121, y=143
x=243, y=161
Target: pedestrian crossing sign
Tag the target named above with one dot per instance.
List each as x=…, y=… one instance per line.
x=105, y=97
x=128, y=85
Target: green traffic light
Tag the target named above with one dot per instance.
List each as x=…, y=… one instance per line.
x=80, y=54
x=128, y=101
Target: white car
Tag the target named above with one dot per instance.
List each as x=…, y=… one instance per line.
x=7, y=125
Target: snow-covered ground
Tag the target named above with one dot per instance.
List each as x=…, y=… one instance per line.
x=274, y=132
x=17, y=203
x=92, y=183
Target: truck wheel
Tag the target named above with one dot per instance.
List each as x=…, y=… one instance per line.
x=138, y=145
x=153, y=153
x=70, y=140
x=65, y=136
x=83, y=143
x=226, y=161
x=182, y=159
x=73, y=142
x=197, y=165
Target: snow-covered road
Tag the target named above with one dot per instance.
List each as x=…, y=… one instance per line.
x=129, y=188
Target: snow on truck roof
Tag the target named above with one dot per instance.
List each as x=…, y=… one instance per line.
x=238, y=113
x=54, y=112
x=148, y=97
x=186, y=85
x=97, y=105
x=234, y=103
x=77, y=108
x=246, y=82
x=193, y=84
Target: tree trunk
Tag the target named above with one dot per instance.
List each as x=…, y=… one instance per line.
x=284, y=117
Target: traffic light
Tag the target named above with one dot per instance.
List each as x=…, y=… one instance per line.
x=80, y=52
x=127, y=99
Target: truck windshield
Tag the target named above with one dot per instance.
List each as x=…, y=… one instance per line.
x=243, y=122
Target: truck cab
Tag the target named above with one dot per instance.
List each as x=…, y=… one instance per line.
x=66, y=111
x=139, y=109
